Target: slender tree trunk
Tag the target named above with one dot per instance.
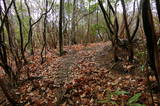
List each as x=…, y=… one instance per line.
x=130, y=45
x=105, y=17
x=21, y=32
x=73, y=34
x=44, y=36
x=60, y=28
x=30, y=33
x=69, y=41
x=98, y=32
x=88, y=28
x=136, y=27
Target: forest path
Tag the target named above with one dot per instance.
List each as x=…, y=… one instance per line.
x=66, y=72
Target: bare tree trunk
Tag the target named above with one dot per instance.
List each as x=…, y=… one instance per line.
x=149, y=30
x=130, y=45
x=44, y=36
x=60, y=28
x=88, y=28
x=30, y=33
x=105, y=17
x=73, y=34
x=98, y=32
x=21, y=33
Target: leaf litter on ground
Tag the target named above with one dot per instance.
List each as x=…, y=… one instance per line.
x=84, y=76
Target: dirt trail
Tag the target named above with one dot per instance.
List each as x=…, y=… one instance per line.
x=65, y=73
x=63, y=76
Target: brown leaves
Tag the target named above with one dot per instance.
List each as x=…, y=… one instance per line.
x=80, y=75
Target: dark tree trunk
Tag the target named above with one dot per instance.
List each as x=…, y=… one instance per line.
x=98, y=31
x=3, y=52
x=137, y=23
x=148, y=26
x=73, y=36
x=158, y=8
x=105, y=17
x=60, y=28
x=44, y=36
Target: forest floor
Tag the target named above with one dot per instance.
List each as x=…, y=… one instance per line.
x=85, y=75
